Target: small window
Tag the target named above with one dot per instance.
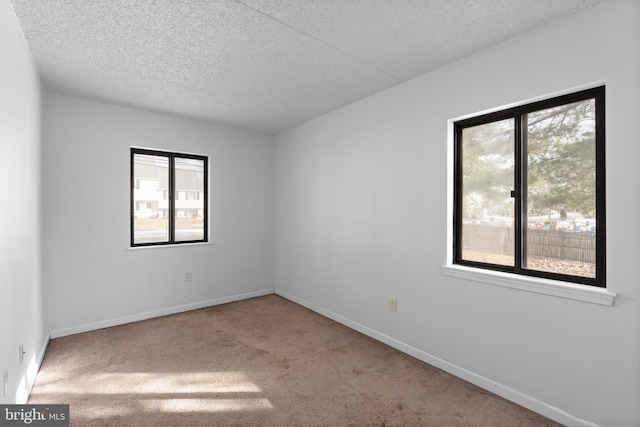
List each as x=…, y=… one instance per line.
x=530, y=191
x=157, y=214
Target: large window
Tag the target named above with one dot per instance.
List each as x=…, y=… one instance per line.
x=160, y=211
x=529, y=189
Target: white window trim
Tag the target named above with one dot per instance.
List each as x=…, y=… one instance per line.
x=178, y=245
x=536, y=285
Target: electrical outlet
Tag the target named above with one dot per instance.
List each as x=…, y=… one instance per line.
x=393, y=304
x=20, y=354
x=187, y=276
x=6, y=382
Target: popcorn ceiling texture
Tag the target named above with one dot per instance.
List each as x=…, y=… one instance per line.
x=266, y=65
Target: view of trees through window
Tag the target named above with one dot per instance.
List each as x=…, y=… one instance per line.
x=557, y=170
x=488, y=168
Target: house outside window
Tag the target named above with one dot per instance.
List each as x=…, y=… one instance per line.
x=158, y=215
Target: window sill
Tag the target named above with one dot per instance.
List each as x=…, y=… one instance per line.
x=179, y=245
x=556, y=288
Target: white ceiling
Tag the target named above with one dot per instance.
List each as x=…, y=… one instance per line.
x=266, y=65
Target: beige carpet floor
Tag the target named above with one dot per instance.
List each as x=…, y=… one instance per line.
x=259, y=362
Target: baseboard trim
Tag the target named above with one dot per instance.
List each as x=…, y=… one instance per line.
x=501, y=390
x=156, y=313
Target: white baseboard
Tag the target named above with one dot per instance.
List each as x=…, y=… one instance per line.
x=502, y=390
x=156, y=313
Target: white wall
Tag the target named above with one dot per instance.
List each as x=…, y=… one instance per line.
x=22, y=307
x=91, y=279
x=361, y=215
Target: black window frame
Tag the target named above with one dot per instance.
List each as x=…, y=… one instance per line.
x=517, y=114
x=171, y=195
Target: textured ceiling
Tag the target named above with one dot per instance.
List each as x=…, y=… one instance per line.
x=266, y=65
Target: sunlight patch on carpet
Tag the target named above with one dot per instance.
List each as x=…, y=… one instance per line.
x=206, y=405
x=162, y=382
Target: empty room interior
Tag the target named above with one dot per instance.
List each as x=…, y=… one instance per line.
x=162, y=158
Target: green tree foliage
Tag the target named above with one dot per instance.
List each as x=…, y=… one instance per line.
x=488, y=168
x=562, y=158
x=560, y=152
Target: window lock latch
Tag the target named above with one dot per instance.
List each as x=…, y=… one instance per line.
x=513, y=193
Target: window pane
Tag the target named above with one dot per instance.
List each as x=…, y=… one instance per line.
x=151, y=177
x=487, y=182
x=561, y=190
x=189, y=214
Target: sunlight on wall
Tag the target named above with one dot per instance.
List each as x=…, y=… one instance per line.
x=21, y=393
x=24, y=387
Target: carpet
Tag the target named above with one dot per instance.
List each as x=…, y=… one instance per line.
x=260, y=362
